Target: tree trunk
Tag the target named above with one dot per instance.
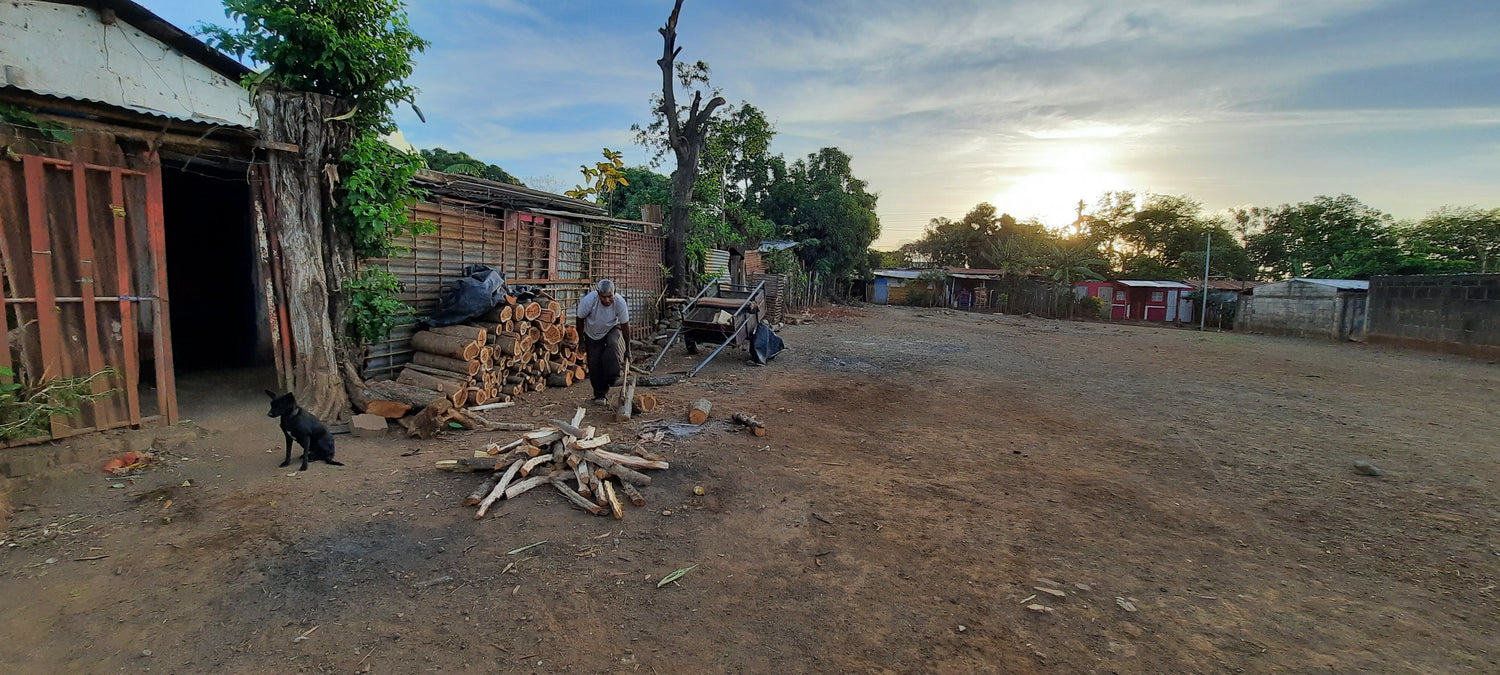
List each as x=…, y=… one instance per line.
x=316, y=258
x=686, y=138
x=677, y=221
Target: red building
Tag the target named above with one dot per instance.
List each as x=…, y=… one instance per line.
x=1140, y=300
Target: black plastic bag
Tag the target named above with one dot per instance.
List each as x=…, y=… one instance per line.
x=765, y=345
x=477, y=292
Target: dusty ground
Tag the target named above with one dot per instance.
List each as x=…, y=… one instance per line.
x=924, y=471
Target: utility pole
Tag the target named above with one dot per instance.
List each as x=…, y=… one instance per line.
x=1208, y=251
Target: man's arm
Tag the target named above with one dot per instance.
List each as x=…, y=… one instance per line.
x=579, y=314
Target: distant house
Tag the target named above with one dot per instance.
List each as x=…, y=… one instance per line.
x=902, y=287
x=957, y=287
x=1329, y=308
x=1140, y=300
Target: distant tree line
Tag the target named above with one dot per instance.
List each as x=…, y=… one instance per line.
x=1154, y=236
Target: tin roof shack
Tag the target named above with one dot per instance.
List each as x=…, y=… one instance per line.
x=124, y=206
x=536, y=238
x=1328, y=308
x=923, y=288
x=1458, y=313
x=1146, y=300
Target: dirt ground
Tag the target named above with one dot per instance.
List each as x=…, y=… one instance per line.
x=925, y=473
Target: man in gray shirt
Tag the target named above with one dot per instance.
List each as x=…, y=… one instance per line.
x=604, y=327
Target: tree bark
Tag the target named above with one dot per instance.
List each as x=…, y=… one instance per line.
x=317, y=258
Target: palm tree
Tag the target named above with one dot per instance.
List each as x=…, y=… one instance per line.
x=1069, y=262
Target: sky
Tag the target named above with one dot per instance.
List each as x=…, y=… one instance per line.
x=1031, y=105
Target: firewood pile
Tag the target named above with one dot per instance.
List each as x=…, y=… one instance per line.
x=589, y=471
x=516, y=347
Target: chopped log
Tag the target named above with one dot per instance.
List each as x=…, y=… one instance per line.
x=460, y=397
x=561, y=380
x=470, y=464
x=533, y=311
x=474, y=333
x=505, y=313
x=699, y=413
x=444, y=345
x=470, y=367
x=510, y=300
x=626, y=460
x=627, y=398
x=645, y=402
x=746, y=420
x=580, y=373
x=534, y=462
x=570, y=336
x=614, y=501
x=391, y=410
x=660, y=380
x=581, y=474
x=482, y=491
x=568, y=429
x=496, y=448
x=440, y=380
x=499, y=490
x=591, y=443
x=635, y=496
x=642, y=453
x=389, y=390
x=613, y=468
x=576, y=498
x=544, y=436
x=478, y=396
x=552, y=334
x=535, y=481
x=508, y=343
x=547, y=317
x=429, y=421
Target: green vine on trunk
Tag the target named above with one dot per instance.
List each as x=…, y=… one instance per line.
x=359, y=51
x=376, y=196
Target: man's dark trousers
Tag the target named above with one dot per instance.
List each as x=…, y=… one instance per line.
x=604, y=361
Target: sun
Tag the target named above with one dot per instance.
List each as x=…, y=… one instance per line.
x=1065, y=173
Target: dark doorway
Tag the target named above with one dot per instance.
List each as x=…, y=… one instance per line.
x=211, y=269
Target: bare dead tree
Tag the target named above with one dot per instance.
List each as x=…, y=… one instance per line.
x=686, y=139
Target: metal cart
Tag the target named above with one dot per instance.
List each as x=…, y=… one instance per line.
x=721, y=313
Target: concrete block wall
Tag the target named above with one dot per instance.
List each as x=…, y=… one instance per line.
x=1457, y=313
x=1295, y=309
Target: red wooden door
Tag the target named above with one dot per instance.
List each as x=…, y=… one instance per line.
x=84, y=258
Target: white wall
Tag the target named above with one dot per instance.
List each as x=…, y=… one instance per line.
x=64, y=50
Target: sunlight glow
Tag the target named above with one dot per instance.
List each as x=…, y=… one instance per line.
x=1064, y=174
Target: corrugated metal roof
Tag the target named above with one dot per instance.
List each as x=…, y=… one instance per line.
x=1143, y=283
x=485, y=191
x=147, y=112
x=900, y=274
x=1341, y=284
x=770, y=246
x=588, y=217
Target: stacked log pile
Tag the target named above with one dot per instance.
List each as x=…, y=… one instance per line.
x=590, y=472
x=516, y=347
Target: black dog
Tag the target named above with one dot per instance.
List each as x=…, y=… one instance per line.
x=304, y=428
